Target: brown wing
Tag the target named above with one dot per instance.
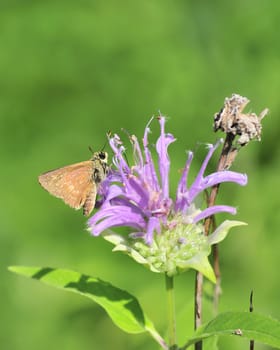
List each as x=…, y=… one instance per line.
x=73, y=184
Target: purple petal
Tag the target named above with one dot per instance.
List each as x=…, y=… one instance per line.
x=225, y=176
x=114, y=191
x=196, y=186
x=116, y=210
x=127, y=202
x=117, y=215
x=146, y=132
x=137, y=152
x=118, y=149
x=181, y=196
x=212, y=149
x=153, y=225
x=214, y=210
x=148, y=171
x=138, y=192
x=214, y=179
x=164, y=163
x=114, y=222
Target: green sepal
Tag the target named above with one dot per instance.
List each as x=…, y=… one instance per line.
x=222, y=231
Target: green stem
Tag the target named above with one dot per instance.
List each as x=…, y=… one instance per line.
x=169, y=283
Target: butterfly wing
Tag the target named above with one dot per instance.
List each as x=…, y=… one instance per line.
x=73, y=184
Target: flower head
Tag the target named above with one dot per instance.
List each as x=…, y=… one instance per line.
x=232, y=120
x=166, y=233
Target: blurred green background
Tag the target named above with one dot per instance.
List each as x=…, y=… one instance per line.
x=72, y=70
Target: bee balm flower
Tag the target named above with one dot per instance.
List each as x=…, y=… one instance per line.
x=166, y=233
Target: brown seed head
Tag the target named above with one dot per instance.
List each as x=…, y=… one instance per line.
x=232, y=120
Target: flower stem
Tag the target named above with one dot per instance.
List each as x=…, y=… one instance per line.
x=169, y=284
x=227, y=157
x=198, y=305
x=252, y=342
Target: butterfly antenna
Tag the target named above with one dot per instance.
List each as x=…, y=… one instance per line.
x=108, y=134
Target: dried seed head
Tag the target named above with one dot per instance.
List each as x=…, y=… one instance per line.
x=231, y=120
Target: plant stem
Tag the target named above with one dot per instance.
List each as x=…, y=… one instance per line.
x=158, y=338
x=169, y=283
x=251, y=309
x=198, y=305
x=227, y=157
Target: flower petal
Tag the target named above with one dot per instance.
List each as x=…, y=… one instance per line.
x=224, y=176
x=149, y=171
x=153, y=225
x=116, y=216
x=182, y=198
x=215, y=209
x=212, y=149
x=137, y=192
x=164, y=163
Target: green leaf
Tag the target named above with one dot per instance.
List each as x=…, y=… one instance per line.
x=122, y=307
x=263, y=329
x=210, y=343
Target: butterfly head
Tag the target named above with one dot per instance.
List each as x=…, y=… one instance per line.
x=102, y=157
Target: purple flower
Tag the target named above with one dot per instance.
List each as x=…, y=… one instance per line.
x=166, y=234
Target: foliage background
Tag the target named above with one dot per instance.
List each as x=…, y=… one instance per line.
x=69, y=72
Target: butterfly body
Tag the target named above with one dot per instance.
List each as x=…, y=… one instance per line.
x=77, y=184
